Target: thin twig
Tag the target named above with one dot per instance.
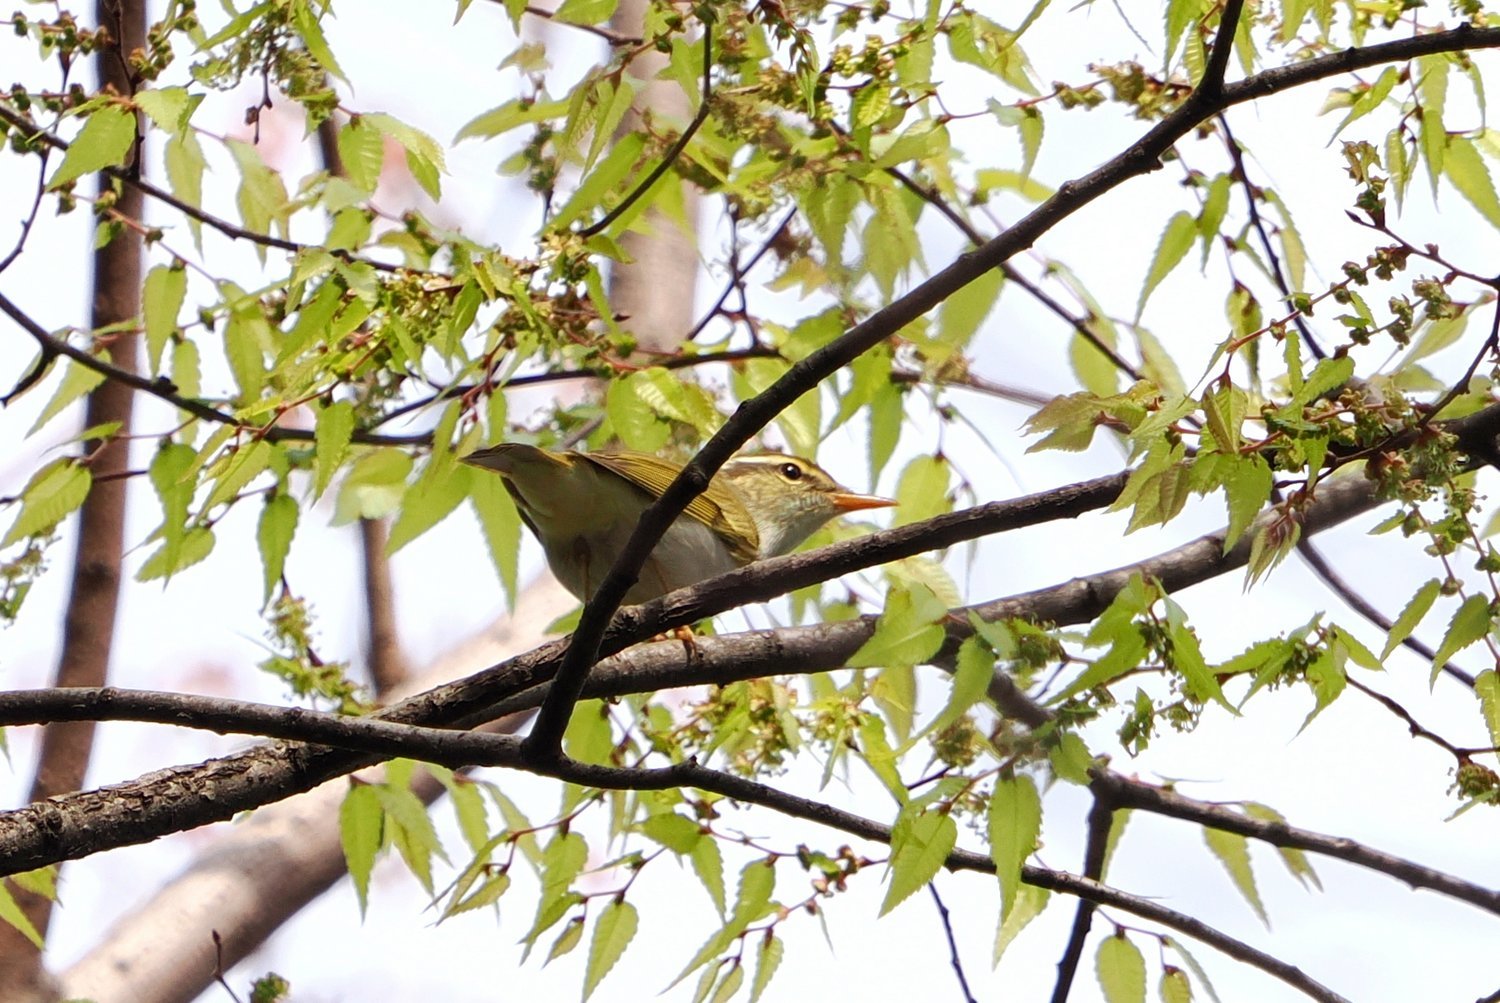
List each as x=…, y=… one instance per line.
x=954, y=960
x=1278, y=276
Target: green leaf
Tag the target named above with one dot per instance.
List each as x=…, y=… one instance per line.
x=1416, y=609
x=1174, y=986
x=77, y=380
x=278, y=523
x=11, y=913
x=757, y=881
x=1470, y=622
x=196, y=544
x=1487, y=687
x=306, y=21
x=1071, y=759
x=1296, y=860
x=501, y=523
x=331, y=435
x=571, y=937
x=1465, y=168
x=1193, y=966
x=586, y=11
x=1015, y=824
x=613, y=932
x=104, y=141
x=1121, y=970
x=922, y=491
x=161, y=299
x=919, y=848
x=767, y=960
x=48, y=498
x=169, y=108
x=361, y=831
x=424, y=156
x=908, y=632
x=1246, y=489
x=708, y=864
x=411, y=831
x=185, y=166
x=1432, y=91
x=972, y=672
x=374, y=487
x=1029, y=903
x=236, y=469
x=362, y=151
x=1233, y=852
x=1176, y=241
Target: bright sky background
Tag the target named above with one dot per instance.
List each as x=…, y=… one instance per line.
x=1351, y=773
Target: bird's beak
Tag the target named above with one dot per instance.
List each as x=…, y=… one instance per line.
x=846, y=501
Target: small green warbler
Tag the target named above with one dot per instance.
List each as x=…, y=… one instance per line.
x=584, y=506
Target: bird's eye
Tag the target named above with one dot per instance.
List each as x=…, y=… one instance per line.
x=791, y=471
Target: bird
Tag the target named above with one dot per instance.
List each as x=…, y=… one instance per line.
x=583, y=507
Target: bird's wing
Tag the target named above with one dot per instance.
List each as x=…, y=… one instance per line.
x=718, y=508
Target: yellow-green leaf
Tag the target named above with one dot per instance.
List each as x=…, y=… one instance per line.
x=50, y=497
x=1015, y=823
x=161, y=298
x=613, y=932
x=919, y=848
x=1176, y=241
x=1121, y=970
x=1416, y=608
x=104, y=141
x=361, y=832
x=278, y=523
x=11, y=913
x=1470, y=622
x=331, y=435
x=1233, y=852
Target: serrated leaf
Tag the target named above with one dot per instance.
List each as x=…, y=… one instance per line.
x=922, y=491
x=236, y=470
x=52, y=494
x=908, y=632
x=1487, y=688
x=919, y=848
x=331, y=436
x=411, y=831
x=361, y=832
x=767, y=959
x=501, y=523
x=278, y=523
x=104, y=141
x=1416, y=608
x=757, y=881
x=1029, y=903
x=1296, y=860
x=362, y=151
x=1176, y=241
x=1470, y=623
x=1233, y=851
x=972, y=672
x=306, y=21
x=77, y=381
x=161, y=299
x=1014, y=824
x=571, y=937
x=708, y=864
x=613, y=932
x=1121, y=970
